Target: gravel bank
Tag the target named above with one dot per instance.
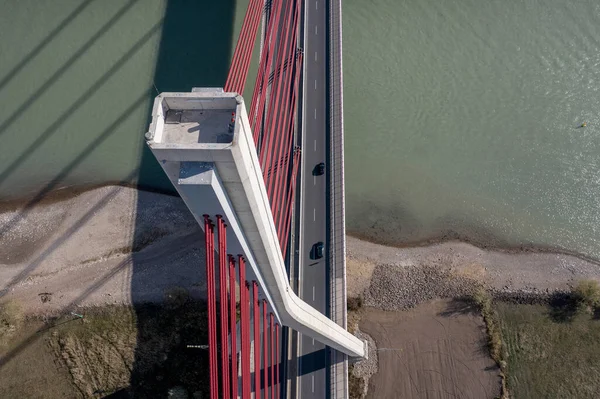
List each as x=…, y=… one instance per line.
x=502, y=272
x=366, y=368
x=108, y=245
x=391, y=278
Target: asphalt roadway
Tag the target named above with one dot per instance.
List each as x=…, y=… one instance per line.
x=313, y=274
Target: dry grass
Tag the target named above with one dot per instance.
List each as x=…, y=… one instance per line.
x=588, y=293
x=11, y=319
x=483, y=300
x=549, y=358
x=356, y=385
x=99, y=350
x=129, y=352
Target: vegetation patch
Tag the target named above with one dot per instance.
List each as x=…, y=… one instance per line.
x=11, y=319
x=484, y=301
x=117, y=351
x=550, y=358
x=546, y=348
x=587, y=292
x=356, y=385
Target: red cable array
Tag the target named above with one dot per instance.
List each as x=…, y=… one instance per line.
x=262, y=78
x=272, y=339
x=232, y=327
x=265, y=351
x=244, y=328
x=273, y=119
x=279, y=124
x=273, y=108
x=256, y=320
x=280, y=181
x=277, y=359
x=212, y=307
x=236, y=79
x=223, y=305
x=291, y=197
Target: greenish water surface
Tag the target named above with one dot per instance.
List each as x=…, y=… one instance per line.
x=461, y=121
x=78, y=78
x=461, y=115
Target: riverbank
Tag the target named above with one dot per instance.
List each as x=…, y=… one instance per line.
x=108, y=245
x=120, y=246
x=116, y=244
x=432, y=286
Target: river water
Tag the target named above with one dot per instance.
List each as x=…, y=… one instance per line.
x=78, y=78
x=461, y=115
x=461, y=121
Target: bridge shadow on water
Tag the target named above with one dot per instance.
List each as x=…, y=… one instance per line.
x=196, y=43
x=195, y=47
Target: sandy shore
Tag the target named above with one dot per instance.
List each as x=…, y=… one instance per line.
x=118, y=244
x=535, y=272
x=108, y=245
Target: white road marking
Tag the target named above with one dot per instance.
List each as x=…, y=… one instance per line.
x=316, y=29
x=316, y=5
x=313, y=342
x=313, y=293
x=315, y=84
x=315, y=56
x=315, y=144
x=314, y=218
x=314, y=180
x=313, y=382
x=315, y=118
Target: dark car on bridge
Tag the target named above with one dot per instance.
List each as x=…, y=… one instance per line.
x=319, y=169
x=317, y=251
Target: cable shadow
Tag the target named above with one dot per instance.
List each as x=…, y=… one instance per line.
x=312, y=362
x=58, y=242
x=36, y=50
x=21, y=215
x=94, y=287
x=81, y=100
x=56, y=75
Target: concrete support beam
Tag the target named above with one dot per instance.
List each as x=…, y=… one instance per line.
x=204, y=143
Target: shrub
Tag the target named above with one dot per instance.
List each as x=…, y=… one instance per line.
x=354, y=303
x=11, y=317
x=587, y=293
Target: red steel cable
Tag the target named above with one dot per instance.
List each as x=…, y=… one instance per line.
x=256, y=321
x=272, y=331
x=274, y=102
x=244, y=48
x=251, y=39
x=280, y=196
x=244, y=328
x=271, y=106
x=212, y=307
x=240, y=48
x=232, y=328
x=265, y=351
x=223, y=305
x=293, y=191
x=285, y=198
x=280, y=127
x=283, y=119
x=290, y=126
x=261, y=84
x=277, y=360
